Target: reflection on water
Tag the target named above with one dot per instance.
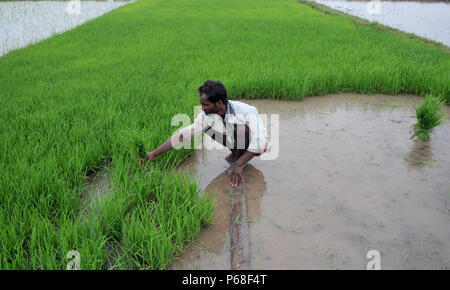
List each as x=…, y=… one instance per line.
x=420, y=155
x=26, y=22
x=348, y=179
x=211, y=249
x=429, y=20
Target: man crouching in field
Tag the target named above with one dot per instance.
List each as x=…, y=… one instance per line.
x=233, y=124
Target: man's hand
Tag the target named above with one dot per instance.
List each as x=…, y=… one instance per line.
x=150, y=156
x=236, y=169
x=236, y=174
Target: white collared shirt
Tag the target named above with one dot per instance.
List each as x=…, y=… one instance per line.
x=237, y=113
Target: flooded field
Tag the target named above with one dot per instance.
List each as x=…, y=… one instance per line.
x=426, y=19
x=348, y=180
x=26, y=22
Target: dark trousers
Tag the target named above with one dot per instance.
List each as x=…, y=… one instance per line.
x=241, y=139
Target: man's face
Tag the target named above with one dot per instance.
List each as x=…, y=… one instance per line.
x=207, y=106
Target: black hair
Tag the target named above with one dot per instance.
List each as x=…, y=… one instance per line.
x=214, y=90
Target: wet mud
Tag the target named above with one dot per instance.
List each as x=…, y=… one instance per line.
x=348, y=179
x=428, y=19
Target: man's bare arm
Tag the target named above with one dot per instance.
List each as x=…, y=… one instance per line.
x=166, y=146
x=247, y=156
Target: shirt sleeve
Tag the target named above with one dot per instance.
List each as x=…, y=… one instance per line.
x=258, y=133
x=195, y=128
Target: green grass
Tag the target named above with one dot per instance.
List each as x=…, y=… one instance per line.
x=428, y=116
x=100, y=92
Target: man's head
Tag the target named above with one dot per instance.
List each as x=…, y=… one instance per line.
x=213, y=97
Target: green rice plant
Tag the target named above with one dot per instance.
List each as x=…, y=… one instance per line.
x=141, y=150
x=428, y=117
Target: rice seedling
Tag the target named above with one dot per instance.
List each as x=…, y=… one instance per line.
x=390, y=106
x=284, y=228
x=428, y=116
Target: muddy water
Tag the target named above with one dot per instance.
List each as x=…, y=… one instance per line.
x=426, y=19
x=26, y=22
x=99, y=187
x=348, y=179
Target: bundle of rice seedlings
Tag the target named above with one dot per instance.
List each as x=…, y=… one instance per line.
x=428, y=117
